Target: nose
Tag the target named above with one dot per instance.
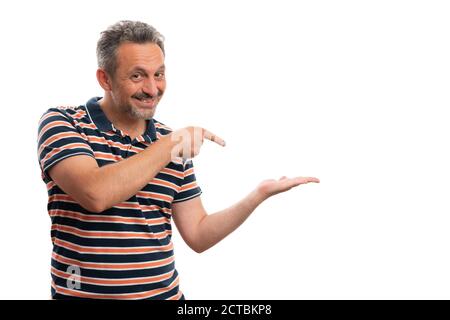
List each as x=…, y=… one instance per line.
x=150, y=87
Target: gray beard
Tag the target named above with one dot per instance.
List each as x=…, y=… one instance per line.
x=136, y=114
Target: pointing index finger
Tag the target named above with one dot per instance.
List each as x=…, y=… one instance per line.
x=211, y=136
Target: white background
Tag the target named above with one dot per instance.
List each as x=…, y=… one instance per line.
x=355, y=93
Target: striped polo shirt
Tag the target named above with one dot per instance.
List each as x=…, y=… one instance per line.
x=124, y=252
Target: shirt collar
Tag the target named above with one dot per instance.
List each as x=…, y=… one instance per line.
x=100, y=120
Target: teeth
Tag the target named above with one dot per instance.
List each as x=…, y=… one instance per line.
x=145, y=100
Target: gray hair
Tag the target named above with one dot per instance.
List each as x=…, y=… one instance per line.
x=120, y=32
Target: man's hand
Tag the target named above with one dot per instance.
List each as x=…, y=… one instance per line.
x=271, y=187
x=202, y=231
x=190, y=139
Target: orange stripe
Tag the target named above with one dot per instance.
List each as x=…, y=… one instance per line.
x=59, y=136
x=103, y=141
x=86, y=125
x=94, y=218
x=117, y=282
x=123, y=205
x=111, y=234
x=189, y=172
x=48, y=115
x=165, y=184
x=109, y=219
x=50, y=185
x=153, y=195
x=176, y=296
x=106, y=156
x=65, y=147
x=104, y=250
x=172, y=173
x=80, y=114
x=156, y=221
x=128, y=205
x=147, y=294
x=189, y=186
x=54, y=124
x=117, y=266
x=154, y=207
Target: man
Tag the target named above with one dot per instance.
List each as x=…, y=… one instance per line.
x=116, y=177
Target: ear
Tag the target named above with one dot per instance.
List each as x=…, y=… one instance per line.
x=104, y=79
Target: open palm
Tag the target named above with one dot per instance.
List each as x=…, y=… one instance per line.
x=271, y=187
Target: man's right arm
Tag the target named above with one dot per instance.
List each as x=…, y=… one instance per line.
x=99, y=188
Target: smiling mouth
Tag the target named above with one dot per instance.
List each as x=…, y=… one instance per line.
x=146, y=102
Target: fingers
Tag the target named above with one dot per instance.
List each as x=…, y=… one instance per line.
x=293, y=182
x=303, y=180
x=210, y=136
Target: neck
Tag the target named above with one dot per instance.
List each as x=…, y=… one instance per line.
x=120, y=119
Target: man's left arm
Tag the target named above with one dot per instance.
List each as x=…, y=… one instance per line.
x=201, y=231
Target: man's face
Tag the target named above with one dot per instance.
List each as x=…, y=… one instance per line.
x=139, y=81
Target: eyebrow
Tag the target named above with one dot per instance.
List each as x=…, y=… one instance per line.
x=141, y=69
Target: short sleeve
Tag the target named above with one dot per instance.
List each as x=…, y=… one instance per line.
x=58, y=139
x=189, y=188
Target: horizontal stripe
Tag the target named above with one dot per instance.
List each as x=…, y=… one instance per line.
x=110, y=234
x=108, y=250
x=126, y=296
x=49, y=114
x=176, y=296
x=172, y=172
x=68, y=134
x=55, y=124
x=68, y=146
x=114, y=282
x=60, y=197
x=154, y=195
x=49, y=164
x=189, y=186
x=109, y=143
x=79, y=115
x=85, y=125
x=107, y=156
x=115, y=266
x=165, y=183
x=188, y=172
x=108, y=218
x=50, y=185
x=95, y=218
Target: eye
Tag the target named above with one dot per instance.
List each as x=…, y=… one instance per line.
x=136, y=76
x=159, y=75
